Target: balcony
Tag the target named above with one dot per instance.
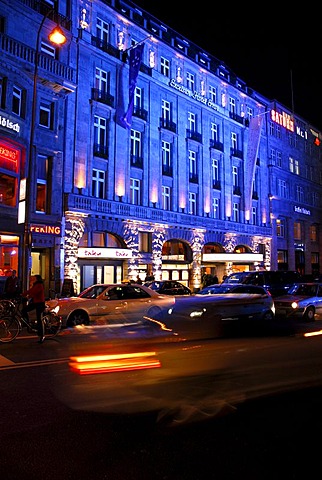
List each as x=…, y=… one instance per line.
x=102, y=97
x=236, y=153
x=216, y=145
x=193, y=135
x=193, y=177
x=100, y=151
x=106, y=47
x=237, y=191
x=140, y=113
x=167, y=170
x=236, y=117
x=136, y=161
x=51, y=72
x=168, y=125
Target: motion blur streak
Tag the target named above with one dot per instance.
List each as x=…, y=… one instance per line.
x=312, y=334
x=160, y=324
x=113, y=363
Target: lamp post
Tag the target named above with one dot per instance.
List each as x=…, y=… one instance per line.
x=57, y=37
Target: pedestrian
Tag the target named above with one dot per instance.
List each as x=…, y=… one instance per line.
x=138, y=280
x=12, y=285
x=37, y=302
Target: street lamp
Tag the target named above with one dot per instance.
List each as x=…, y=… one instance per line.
x=57, y=37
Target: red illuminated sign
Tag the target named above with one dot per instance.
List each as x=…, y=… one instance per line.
x=9, y=158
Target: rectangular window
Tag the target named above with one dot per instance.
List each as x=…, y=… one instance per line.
x=98, y=239
x=236, y=212
x=216, y=208
x=313, y=233
x=166, y=110
x=17, y=100
x=8, y=190
x=214, y=132
x=299, y=193
x=232, y=105
x=42, y=189
x=101, y=80
x=280, y=227
x=165, y=67
x=254, y=215
x=297, y=231
x=166, y=158
x=48, y=49
x=98, y=183
x=191, y=121
x=138, y=98
x=215, y=171
x=166, y=198
x=192, y=203
x=136, y=144
x=135, y=191
x=282, y=188
x=213, y=94
x=234, y=140
x=100, y=136
x=192, y=163
x=102, y=31
x=190, y=78
x=46, y=115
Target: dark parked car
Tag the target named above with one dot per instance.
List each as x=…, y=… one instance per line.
x=169, y=287
x=303, y=300
x=275, y=281
x=236, y=277
x=234, y=288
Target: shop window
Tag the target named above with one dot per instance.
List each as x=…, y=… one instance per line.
x=83, y=242
x=297, y=231
x=280, y=227
x=8, y=190
x=98, y=239
x=8, y=254
x=313, y=233
x=41, y=196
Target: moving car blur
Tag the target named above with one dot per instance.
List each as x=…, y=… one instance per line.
x=112, y=303
x=303, y=300
x=168, y=287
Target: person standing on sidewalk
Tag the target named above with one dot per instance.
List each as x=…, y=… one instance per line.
x=12, y=285
x=37, y=295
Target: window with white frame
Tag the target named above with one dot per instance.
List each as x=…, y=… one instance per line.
x=165, y=67
x=214, y=132
x=46, y=114
x=102, y=31
x=282, y=188
x=280, y=227
x=138, y=98
x=166, y=198
x=190, y=79
x=135, y=191
x=216, y=207
x=98, y=183
x=232, y=105
x=234, y=140
x=315, y=199
x=236, y=212
x=100, y=134
x=291, y=164
x=42, y=188
x=17, y=100
x=296, y=167
x=136, y=144
x=191, y=122
x=166, y=110
x=278, y=158
x=215, y=170
x=212, y=94
x=235, y=176
x=254, y=215
x=101, y=80
x=299, y=194
x=192, y=163
x=192, y=203
x=249, y=112
x=166, y=158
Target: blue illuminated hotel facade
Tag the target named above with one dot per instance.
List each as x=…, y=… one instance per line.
x=208, y=177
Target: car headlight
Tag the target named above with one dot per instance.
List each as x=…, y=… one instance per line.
x=294, y=305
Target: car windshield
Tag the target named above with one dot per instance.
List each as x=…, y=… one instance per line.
x=212, y=290
x=303, y=289
x=93, y=292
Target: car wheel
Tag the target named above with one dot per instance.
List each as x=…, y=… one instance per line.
x=309, y=315
x=79, y=317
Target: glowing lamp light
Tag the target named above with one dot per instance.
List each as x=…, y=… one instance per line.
x=317, y=141
x=57, y=36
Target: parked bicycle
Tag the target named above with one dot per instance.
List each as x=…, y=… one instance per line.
x=12, y=321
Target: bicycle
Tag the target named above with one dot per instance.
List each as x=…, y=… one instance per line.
x=12, y=321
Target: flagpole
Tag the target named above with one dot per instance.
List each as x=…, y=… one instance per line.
x=138, y=43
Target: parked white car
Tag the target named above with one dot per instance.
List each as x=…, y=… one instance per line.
x=112, y=303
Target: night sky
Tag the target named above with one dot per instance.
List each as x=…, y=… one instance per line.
x=279, y=54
